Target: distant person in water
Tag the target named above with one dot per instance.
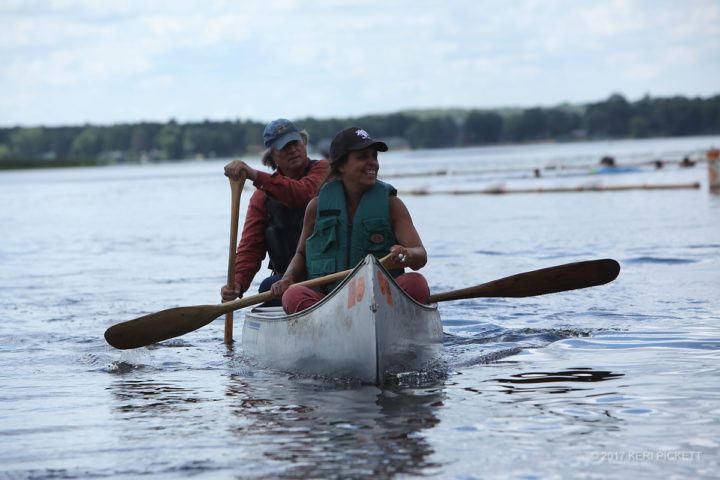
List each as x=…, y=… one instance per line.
x=686, y=162
x=607, y=161
x=354, y=196
x=274, y=217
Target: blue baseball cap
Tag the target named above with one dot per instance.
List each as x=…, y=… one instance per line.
x=279, y=133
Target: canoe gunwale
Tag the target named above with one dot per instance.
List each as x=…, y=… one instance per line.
x=256, y=313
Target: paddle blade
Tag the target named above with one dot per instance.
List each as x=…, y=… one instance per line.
x=159, y=326
x=541, y=282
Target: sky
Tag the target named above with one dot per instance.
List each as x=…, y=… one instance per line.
x=72, y=62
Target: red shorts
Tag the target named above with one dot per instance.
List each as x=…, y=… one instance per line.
x=298, y=298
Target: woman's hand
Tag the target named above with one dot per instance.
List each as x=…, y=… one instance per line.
x=229, y=294
x=279, y=287
x=410, y=257
x=401, y=255
x=235, y=168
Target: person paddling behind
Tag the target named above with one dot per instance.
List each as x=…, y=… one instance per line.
x=274, y=218
x=353, y=215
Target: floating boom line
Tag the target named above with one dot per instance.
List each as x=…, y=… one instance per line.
x=579, y=188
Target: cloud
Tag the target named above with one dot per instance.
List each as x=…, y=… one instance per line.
x=130, y=60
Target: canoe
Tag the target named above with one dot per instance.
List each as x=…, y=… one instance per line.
x=367, y=329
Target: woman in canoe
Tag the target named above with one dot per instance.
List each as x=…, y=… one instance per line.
x=354, y=214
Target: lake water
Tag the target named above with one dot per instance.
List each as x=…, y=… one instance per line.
x=616, y=381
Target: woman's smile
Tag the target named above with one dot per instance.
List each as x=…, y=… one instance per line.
x=362, y=166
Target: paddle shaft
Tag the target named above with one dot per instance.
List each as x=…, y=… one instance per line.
x=236, y=187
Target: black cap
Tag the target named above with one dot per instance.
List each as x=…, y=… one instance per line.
x=352, y=139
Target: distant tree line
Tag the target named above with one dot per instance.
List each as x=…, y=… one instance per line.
x=146, y=141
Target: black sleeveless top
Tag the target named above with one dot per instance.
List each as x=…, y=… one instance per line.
x=284, y=226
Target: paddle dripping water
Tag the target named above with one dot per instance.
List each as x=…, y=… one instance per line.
x=611, y=381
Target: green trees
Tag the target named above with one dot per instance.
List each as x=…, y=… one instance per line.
x=612, y=118
x=28, y=142
x=87, y=143
x=433, y=132
x=169, y=141
x=482, y=127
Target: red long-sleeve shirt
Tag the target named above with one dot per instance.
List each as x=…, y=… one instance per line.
x=293, y=193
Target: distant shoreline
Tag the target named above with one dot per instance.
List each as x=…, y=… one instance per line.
x=36, y=164
x=612, y=119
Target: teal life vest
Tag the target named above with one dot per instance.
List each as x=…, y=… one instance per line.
x=337, y=244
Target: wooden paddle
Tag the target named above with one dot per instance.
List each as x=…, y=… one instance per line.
x=174, y=322
x=561, y=278
x=236, y=187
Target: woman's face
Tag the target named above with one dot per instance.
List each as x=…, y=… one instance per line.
x=361, y=167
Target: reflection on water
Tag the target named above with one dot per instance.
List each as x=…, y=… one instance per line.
x=582, y=375
x=321, y=432
x=142, y=397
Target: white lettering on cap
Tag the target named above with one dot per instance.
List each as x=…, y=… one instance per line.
x=362, y=133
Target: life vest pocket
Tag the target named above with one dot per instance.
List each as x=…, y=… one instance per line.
x=377, y=236
x=324, y=237
x=321, y=266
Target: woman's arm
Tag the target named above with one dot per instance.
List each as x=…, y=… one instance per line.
x=410, y=247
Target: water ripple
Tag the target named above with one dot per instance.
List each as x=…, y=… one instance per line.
x=667, y=261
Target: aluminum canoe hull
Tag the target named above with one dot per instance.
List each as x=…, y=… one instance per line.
x=366, y=329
